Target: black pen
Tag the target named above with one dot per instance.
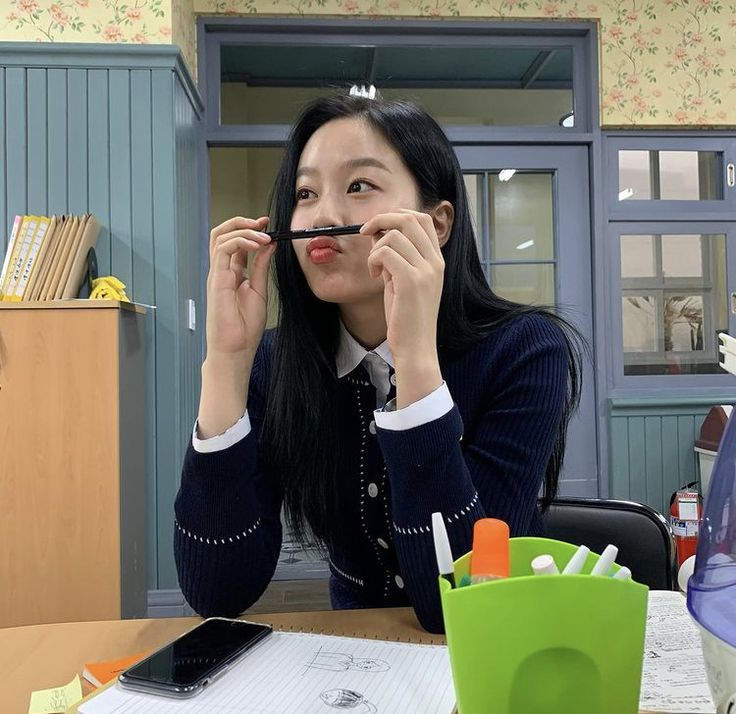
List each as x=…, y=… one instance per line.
x=314, y=232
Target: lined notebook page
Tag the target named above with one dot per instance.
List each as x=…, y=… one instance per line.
x=312, y=674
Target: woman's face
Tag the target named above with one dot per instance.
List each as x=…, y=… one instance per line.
x=347, y=174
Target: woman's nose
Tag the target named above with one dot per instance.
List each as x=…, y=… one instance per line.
x=329, y=211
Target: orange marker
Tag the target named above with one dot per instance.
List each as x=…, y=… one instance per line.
x=490, y=557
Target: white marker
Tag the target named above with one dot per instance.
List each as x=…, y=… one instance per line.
x=575, y=564
x=623, y=573
x=607, y=559
x=442, y=549
x=544, y=565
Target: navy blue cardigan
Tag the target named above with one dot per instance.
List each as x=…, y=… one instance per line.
x=486, y=457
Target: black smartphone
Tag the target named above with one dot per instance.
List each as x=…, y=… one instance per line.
x=187, y=665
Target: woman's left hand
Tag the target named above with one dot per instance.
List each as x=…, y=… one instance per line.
x=407, y=256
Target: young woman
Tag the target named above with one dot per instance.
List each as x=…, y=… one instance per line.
x=396, y=384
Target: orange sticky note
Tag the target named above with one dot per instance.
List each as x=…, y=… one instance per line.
x=490, y=557
x=99, y=673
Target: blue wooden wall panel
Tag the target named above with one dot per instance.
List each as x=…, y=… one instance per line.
x=169, y=430
x=653, y=459
x=16, y=142
x=121, y=257
x=652, y=448
x=98, y=171
x=36, y=111
x=142, y=283
x=619, y=467
x=637, y=465
x=686, y=435
x=77, y=143
x=58, y=142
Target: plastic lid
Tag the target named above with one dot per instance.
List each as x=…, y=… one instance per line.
x=711, y=593
x=712, y=428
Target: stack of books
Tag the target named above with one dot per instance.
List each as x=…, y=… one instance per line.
x=46, y=257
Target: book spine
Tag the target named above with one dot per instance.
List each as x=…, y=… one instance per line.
x=11, y=250
x=20, y=288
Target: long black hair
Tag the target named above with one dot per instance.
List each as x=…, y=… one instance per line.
x=300, y=421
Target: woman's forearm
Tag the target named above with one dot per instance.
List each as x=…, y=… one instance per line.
x=224, y=393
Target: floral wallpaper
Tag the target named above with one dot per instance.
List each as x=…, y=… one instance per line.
x=662, y=62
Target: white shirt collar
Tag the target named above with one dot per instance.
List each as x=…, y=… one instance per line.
x=350, y=353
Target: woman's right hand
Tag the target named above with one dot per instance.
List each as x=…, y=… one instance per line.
x=236, y=319
x=236, y=304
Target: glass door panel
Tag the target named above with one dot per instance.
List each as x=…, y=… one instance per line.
x=531, y=216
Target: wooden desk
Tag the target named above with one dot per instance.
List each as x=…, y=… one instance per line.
x=42, y=656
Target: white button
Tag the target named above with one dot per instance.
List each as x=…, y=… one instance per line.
x=399, y=581
x=382, y=543
x=393, y=379
x=372, y=427
x=372, y=490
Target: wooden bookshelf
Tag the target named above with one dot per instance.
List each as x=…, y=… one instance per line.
x=72, y=461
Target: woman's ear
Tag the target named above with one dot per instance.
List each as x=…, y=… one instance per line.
x=443, y=214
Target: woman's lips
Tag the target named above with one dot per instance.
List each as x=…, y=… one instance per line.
x=322, y=250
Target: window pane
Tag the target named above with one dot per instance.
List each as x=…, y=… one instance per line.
x=640, y=323
x=683, y=323
x=268, y=84
x=669, y=175
x=473, y=187
x=673, y=312
x=525, y=283
x=638, y=256
x=634, y=180
x=520, y=206
x=682, y=256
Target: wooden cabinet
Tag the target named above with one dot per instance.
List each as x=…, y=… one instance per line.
x=72, y=462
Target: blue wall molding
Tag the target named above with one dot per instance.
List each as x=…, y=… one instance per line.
x=71, y=55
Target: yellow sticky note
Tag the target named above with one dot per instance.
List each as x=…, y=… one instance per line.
x=56, y=699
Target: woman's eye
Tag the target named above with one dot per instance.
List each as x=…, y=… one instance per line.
x=302, y=194
x=359, y=187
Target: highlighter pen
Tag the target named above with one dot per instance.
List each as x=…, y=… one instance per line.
x=544, y=565
x=576, y=563
x=623, y=573
x=442, y=549
x=314, y=232
x=607, y=559
x=490, y=557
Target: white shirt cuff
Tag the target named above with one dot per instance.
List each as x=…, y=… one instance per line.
x=433, y=406
x=233, y=435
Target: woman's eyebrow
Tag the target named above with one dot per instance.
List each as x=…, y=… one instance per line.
x=349, y=164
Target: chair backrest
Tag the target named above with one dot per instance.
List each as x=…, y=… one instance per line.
x=642, y=535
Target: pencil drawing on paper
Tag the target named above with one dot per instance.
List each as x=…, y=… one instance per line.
x=341, y=662
x=348, y=699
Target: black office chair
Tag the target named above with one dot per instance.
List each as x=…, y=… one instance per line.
x=642, y=535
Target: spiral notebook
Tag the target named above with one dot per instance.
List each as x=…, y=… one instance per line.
x=312, y=674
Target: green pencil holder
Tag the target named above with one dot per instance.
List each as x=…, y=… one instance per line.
x=545, y=644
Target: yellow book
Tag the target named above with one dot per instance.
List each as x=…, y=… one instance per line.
x=32, y=256
x=87, y=238
x=24, y=240
x=9, y=252
x=39, y=268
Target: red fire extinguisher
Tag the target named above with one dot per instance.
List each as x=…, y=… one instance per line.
x=686, y=510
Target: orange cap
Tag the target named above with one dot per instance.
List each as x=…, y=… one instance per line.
x=490, y=555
